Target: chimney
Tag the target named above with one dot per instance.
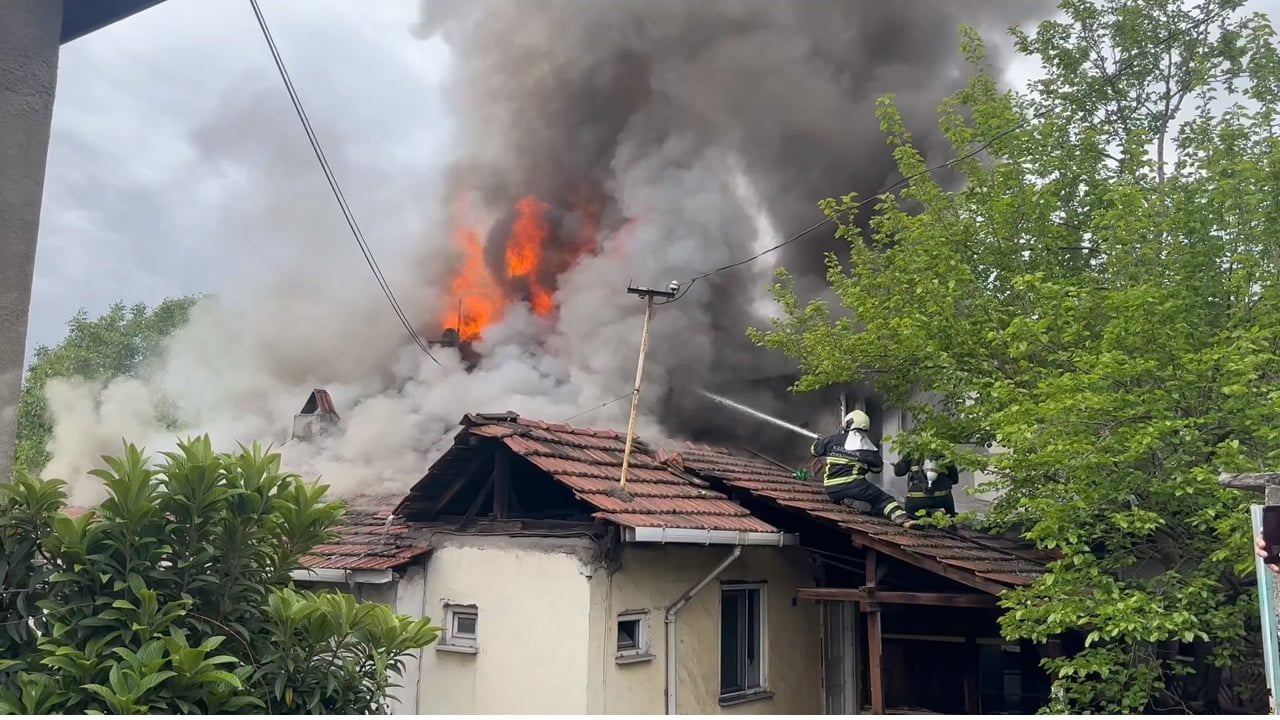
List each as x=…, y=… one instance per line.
x=317, y=417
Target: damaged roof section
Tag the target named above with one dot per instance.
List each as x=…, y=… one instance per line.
x=369, y=537
x=974, y=558
x=318, y=416
x=588, y=463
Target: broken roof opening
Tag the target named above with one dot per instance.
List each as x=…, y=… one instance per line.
x=319, y=402
x=528, y=467
x=317, y=417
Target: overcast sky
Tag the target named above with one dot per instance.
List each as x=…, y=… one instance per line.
x=135, y=196
x=135, y=190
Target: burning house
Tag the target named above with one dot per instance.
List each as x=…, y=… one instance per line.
x=714, y=581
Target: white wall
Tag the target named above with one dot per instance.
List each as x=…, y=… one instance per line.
x=533, y=626
x=652, y=577
x=547, y=612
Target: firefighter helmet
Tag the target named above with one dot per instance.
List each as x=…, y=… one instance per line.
x=857, y=420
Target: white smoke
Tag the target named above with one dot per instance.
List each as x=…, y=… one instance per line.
x=679, y=114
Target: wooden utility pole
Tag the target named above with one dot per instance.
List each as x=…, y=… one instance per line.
x=648, y=294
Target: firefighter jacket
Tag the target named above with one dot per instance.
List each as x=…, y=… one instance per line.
x=847, y=461
x=918, y=485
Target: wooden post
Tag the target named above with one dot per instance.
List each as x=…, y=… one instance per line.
x=501, y=483
x=875, y=640
x=648, y=294
x=635, y=393
x=972, y=684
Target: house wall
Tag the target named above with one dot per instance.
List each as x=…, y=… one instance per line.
x=533, y=627
x=30, y=32
x=652, y=577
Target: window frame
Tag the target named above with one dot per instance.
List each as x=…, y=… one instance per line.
x=455, y=641
x=761, y=688
x=641, y=652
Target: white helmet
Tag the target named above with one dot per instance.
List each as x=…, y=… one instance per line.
x=857, y=420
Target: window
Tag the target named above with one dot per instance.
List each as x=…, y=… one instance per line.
x=742, y=646
x=460, y=628
x=633, y=636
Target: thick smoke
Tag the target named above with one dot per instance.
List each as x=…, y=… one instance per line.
x=690, y=133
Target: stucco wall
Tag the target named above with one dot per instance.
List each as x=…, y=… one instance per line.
x=652, y=577
x=533, y=626
x=29, y=41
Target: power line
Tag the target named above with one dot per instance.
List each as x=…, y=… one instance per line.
x=597, y=407
x=1110, y=81
x=332, y=179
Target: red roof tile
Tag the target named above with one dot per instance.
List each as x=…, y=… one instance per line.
x=367, y=538
x=999, y=560
x=589, y=462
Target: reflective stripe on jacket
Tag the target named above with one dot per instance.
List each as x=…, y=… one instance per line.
x=844, y=465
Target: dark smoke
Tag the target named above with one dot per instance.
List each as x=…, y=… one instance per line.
x=691, y=133
x=566, y=98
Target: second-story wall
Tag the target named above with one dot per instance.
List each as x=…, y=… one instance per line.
x=652, y=577
x=533, y=614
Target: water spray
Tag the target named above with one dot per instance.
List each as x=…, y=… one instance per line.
x=756, y=413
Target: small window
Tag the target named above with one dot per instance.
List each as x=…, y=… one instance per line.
x=633, y=636
x=742, y=647
x=460, y=626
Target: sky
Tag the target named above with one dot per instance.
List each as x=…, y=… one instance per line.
x=144, y=167
x=161, y=122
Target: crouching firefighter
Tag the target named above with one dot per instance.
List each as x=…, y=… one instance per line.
x=849, y=455
x=929, y=484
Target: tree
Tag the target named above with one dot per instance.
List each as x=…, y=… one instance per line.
x=1099, y=302
x=173, y=596
x=115, y=344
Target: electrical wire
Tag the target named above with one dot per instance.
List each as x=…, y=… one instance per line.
x=332, y=179
x=1110, y=80
x=597, y=407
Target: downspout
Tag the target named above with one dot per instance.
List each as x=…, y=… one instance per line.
x=670, y=621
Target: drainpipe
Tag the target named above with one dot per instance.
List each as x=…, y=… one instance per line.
x=670, y=620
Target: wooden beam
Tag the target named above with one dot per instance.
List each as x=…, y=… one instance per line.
x=889, y=597
x=436, y=508
x=501, y=483
x=875, y=665
x=875, y=640
x=475, y=504
x=1256, y=482
x=870, y=543
x=972, y=686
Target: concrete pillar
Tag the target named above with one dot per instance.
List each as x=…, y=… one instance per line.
x=30, y=35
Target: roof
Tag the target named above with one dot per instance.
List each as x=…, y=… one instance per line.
x=365, y=539
x=319, y=402
x=977, y=559
x=589, y=462
x=81, y=17
x=369, y=538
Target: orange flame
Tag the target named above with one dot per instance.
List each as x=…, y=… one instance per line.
x=528, y=232
x=524, y=251
x=475, y=299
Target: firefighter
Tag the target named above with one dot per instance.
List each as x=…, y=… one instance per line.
x=849, y=455
x=929, y=485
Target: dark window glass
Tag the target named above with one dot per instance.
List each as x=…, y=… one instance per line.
x=628, y=634
x=740, y=642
